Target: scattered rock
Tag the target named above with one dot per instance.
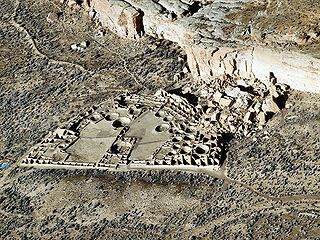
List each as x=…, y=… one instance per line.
x=261, y=118
x=215, y=116
x=210, y=103
x=233, y=92
x=52, y=17
x=72, y=3
x=94, y=204
x=226, y=102
x=248, y=117
x=60, y=132
x=217, y=96
x=242, y=83
x=92, y=14
x=121, y=18
x=84, y=44
x=80, y=47
x=270, y=106
x=74, y=47
x=203, y=93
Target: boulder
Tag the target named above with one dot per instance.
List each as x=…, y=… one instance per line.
x=215, y=116
x=226, y=102
x=72, y=3
x=248, y=117
x=52, y=17
x=120, y=17
x=232, y=92
x=261, y=117
x=269, y=105
x=217, y=96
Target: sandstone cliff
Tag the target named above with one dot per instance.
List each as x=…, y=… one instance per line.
x=246, y=38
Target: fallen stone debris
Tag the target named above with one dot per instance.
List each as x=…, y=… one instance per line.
x=80, y=47
x=52, y=17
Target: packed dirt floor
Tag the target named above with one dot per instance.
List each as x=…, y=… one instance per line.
x=271, y=186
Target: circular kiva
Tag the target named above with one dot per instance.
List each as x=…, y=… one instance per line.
x=112, y=116
x=168, y=118
x=124, y=144
x=186, y=150
x=174, y=130
x=121, y=122
x=162, y=127
x=202, y=149
x=189, y=137
x=95, y=117
x=160, y=113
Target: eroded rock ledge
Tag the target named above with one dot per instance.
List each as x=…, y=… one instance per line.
x=243, y=38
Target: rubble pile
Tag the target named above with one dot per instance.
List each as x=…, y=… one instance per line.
x=242, y=107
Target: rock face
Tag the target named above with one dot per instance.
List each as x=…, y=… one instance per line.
x=300, y=71
x=227, y=37
x=120, y=17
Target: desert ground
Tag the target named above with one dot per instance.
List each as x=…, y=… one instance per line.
x=269, y=188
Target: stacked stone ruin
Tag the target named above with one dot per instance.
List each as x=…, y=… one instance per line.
x=168, y=120
x=162, y=131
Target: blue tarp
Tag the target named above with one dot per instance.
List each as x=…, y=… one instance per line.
x=4, y=165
